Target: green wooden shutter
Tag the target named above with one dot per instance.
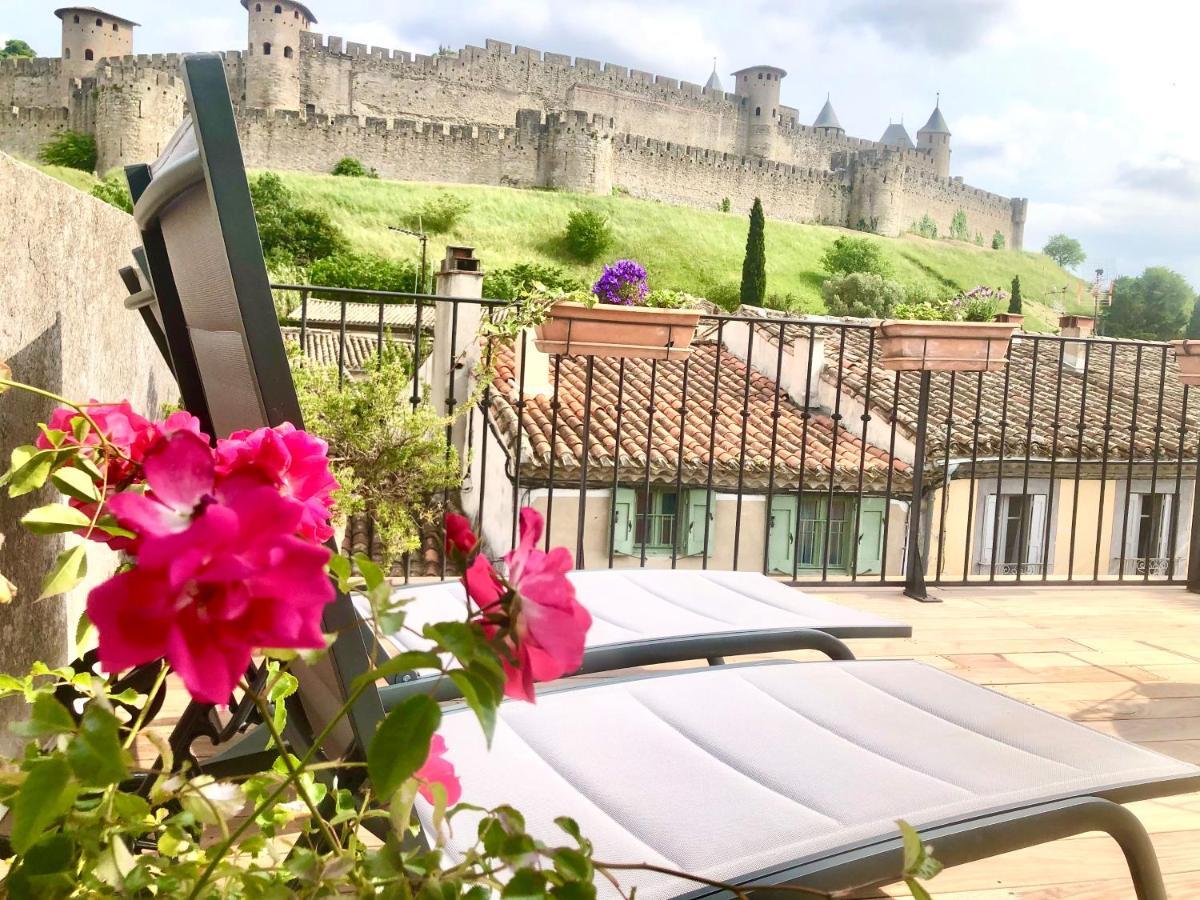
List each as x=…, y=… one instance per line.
x=624, y=510
x=701, y=508
x=781, y=534
x=871, y=512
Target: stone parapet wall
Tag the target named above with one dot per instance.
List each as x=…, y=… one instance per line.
x=24, y=130
x=31, y=82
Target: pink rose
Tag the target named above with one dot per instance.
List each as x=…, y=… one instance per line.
x=459, y=535
x=439, y=770
x=293, y=461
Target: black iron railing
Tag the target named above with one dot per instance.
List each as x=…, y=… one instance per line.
x=781, y=445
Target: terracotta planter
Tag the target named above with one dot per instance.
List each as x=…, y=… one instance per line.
x=944, y=346
x=629, y=332
x=1017, y=319
x=1187, y=356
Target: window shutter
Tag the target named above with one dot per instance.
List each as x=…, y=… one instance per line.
x=1165, y=549
x=781, y=534
x=701, y=509
x=986, y=525
x=1132, y=529
x=1037, y=529
x=871, y=513
x=624, y=509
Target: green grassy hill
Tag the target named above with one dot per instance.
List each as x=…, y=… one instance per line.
x=684, y=249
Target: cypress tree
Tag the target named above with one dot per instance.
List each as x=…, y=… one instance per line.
x=754, y=268
x=1193, y=326
x=1014, y=298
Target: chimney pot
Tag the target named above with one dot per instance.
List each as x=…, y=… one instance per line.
x=1076, y=326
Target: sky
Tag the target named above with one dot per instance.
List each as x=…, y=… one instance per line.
x=1086, y=108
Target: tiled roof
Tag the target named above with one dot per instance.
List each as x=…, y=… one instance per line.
x=1040, y=392
x=795, y=444
x=328, y=313
x=321, y=346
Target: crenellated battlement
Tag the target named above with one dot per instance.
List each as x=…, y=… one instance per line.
x=48, y=66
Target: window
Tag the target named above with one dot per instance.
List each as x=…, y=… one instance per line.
x=662, y=521
x=310, y=109
x=258, y=7
x=1147, y=533
x=77, y=20
x=99, y=23
x=87, y=54
x=1018, y=536
x=266, y=48
x=66, y=52
x=287, y=52
x=295, y=13
x=821, y=534
x=758, y=110
x=278, y=8
x=115, y=28
x=760, y=76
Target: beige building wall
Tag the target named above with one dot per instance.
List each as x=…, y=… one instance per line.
x=88, y=36
x=62, y=328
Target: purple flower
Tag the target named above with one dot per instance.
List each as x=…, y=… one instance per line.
x=623, y=284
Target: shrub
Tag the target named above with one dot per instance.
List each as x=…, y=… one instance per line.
x=439, y=215
x=587, y=234
x=725, y=294
x=1014, y=298
x=725, y=205
x=663, y=298
x=979, y=238
x=848, y=255
x=862, y=295
x=754, y=265
x=958, y=226
x=290, y=231
x=72, y=149
x=114, y=190
x=352, y=168
x=997, y=240
x=517, y=280
x=926, y=228
x=367, y=271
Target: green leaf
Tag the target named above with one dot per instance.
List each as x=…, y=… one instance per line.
x=47, y=718
x=53, y=435
x=82, y=629
x=574, y=890
x=75, y=483
x=108, y=524
x=526, y=884
x=914, y=850
x=29, y=471
x=572, y=864
x=47, y=793
x=7, y=591
x=68, y=570
x=339, y=567
x=401, y=744
x=917, y=889
x=404, y=662
x=481, y=695
x=54, y=518
x=371, y=573
x=95, y=754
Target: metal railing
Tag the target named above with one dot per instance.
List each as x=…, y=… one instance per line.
x=1046, y=471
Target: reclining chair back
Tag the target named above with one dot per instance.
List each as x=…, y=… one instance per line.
x=219, y=325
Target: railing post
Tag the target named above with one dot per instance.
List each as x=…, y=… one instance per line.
x=1193, y=572
x=914, y=577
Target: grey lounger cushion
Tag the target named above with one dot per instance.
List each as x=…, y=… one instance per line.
x=646, y=604
x=727, y=770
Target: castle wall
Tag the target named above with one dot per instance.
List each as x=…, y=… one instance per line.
x=491, y=84
x=402, y=149
x=23, y=130
x=693, y=176
x=941, y=198
x=131, y=109
x=31, y=82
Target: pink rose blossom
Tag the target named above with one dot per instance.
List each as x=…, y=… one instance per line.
x=459, y=535
x=293, y=461
x=439, y=770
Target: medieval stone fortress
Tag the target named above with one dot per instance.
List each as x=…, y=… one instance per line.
x=500, y=115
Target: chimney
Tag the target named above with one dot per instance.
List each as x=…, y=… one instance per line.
x=793, y=376
x=455, y=333
x=532, y=369
x=802, y=383
x=1075, y=327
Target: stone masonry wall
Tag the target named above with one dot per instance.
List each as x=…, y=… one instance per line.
x=131, y=109
x=31, y=82
x=62, y=328
x=23, y=131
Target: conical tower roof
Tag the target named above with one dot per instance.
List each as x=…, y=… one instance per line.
x=937, y=122
x=827, y=118
x=714, y=83
x=897, y=136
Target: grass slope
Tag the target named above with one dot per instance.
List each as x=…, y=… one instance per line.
x=682, y=248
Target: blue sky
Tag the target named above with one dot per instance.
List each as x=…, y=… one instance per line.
x=1087, y=108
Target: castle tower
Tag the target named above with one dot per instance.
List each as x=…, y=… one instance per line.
x=90, y=34
x=273, y=53
x=759, y=85
x=935, y=137
x=896, y=135
x=826, y=123
x=714, y=82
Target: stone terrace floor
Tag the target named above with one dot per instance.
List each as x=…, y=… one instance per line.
x=1123, y=660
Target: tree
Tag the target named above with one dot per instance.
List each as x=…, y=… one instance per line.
x=15, y=47
x=1066, y=251
x=959, y=230
x=1153, y=306
x=289, y=232
x=848, y=255
x=1193, y=326
x=71, y=149
x=1014, y=298
x=754, y=267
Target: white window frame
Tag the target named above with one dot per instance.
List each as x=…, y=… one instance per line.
x=1159, y=565
x=985, y=510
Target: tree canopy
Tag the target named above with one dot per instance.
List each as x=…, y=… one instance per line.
x=1066, y=251
x=754, y=266
x=1153, y=306
x=15, y=47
